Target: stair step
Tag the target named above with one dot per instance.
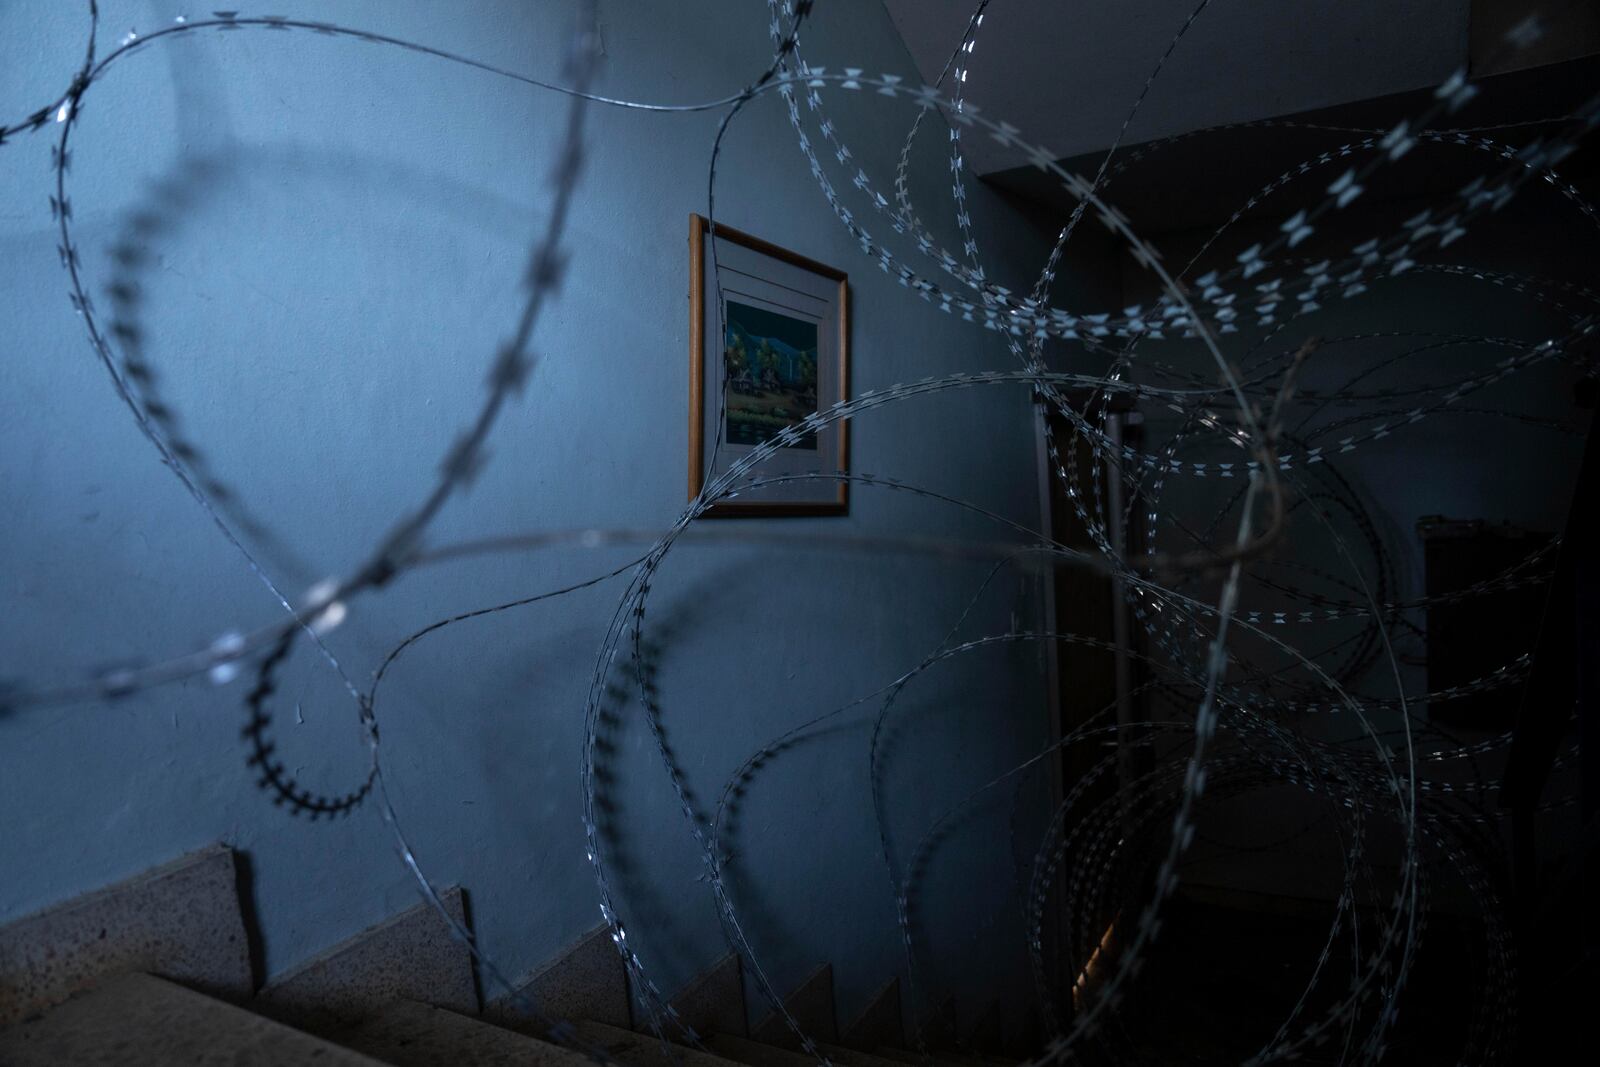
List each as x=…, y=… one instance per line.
x=937, y=1031
x=756, y=1054
x=411, y=955
x=849, y=1057
x=714, y=1002
x=587, y=981
x=968, y=1058
x=643, y=1050
x=879, y=1024
x=136, y=1020
x=985, y=1036
x=407, y=1033
x=941, y=1058
x=811, y=1004
x=180, y=920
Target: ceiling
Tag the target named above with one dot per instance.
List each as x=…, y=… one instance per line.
x=1066, y=72
x=1198, y=181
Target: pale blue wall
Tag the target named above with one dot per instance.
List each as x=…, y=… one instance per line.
x=322, y=313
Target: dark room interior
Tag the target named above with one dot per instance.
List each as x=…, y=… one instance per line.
x=1114, y=580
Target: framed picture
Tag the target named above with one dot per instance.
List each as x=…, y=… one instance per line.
x=774, y=349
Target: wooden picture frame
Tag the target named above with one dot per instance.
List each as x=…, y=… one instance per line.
x=774, y=301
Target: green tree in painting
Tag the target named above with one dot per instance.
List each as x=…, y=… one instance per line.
x=808, y=375
x=766, y=364
x=738, y=360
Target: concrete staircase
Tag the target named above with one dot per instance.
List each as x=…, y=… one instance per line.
x=156, y=970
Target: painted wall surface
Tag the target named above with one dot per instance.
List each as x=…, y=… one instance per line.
x=336, y=233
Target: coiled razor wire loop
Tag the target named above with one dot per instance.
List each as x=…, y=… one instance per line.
x=1246, y=644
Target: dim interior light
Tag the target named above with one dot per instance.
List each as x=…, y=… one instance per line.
x=1084, y=975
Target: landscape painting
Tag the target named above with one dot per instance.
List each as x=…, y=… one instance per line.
x=772, y=373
